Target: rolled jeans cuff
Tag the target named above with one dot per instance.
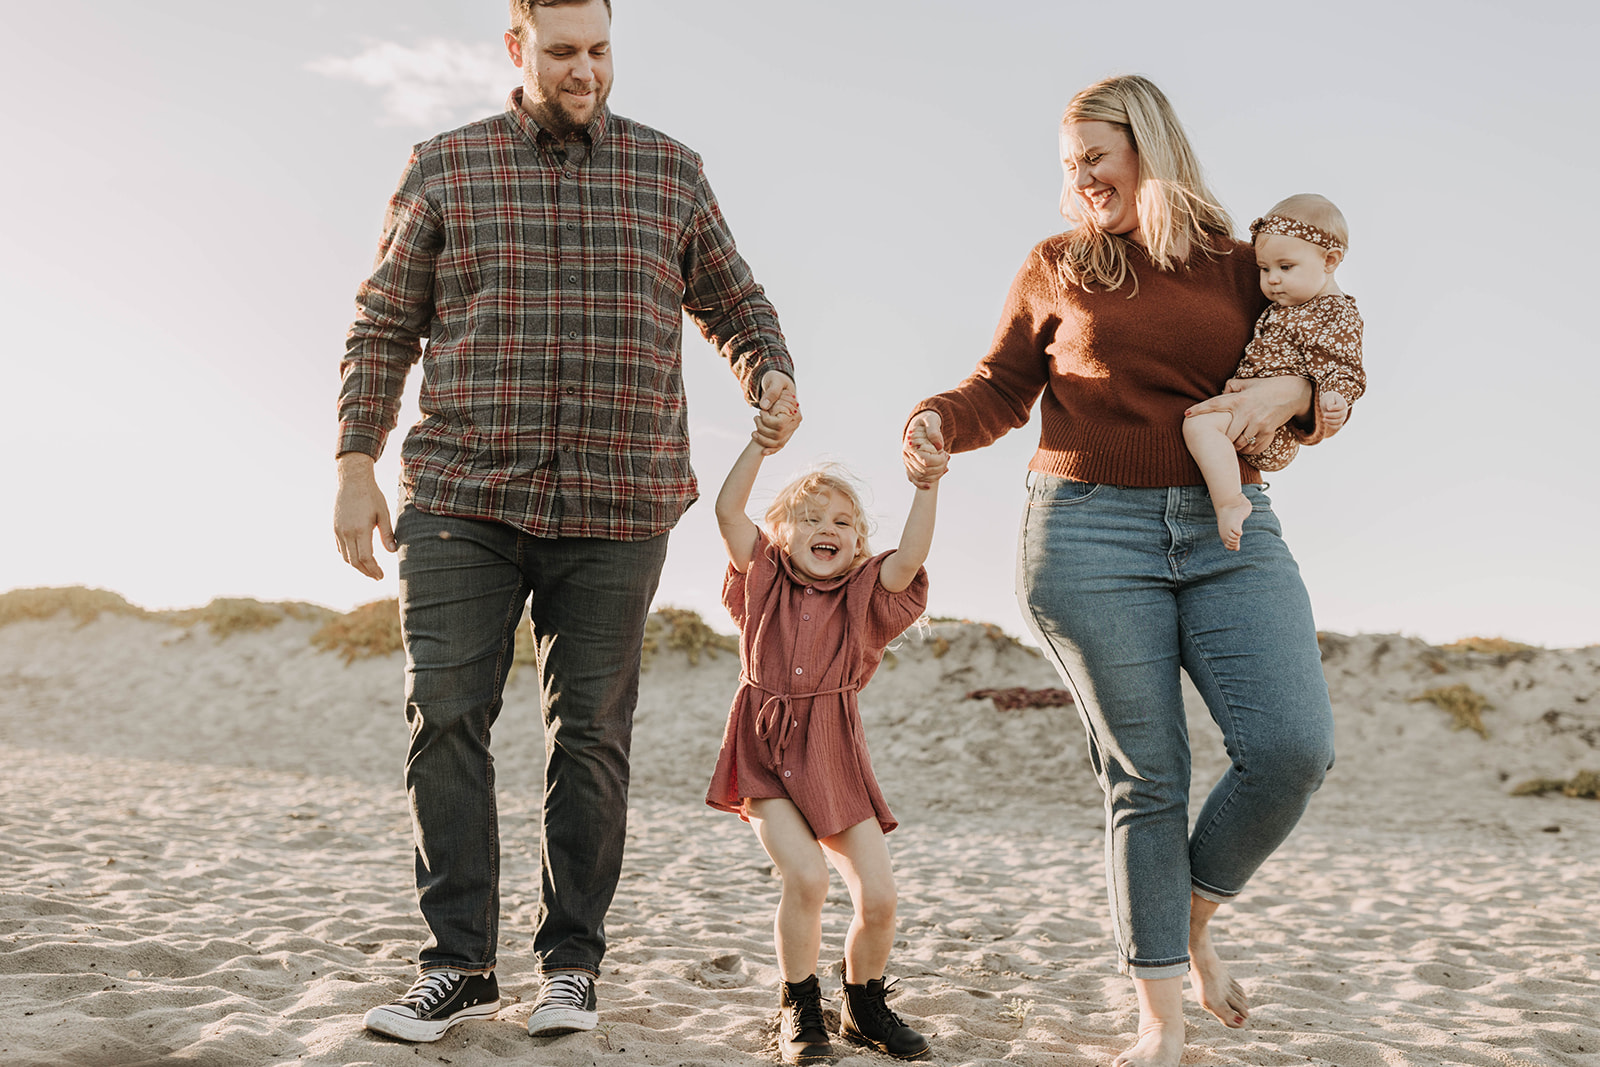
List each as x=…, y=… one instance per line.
x=1154, y=972
x=1215, y=896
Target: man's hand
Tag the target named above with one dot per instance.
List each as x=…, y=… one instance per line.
x=923, y=451
x=779, y=414
x=358, y=508
x=1258, y=406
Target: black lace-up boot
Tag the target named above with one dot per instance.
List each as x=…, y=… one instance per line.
x=867, y=1019
x=802, y=1035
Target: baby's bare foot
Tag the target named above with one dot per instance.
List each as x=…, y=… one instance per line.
x=1230, y=520
x=1218, y=992
x=1159, y=1045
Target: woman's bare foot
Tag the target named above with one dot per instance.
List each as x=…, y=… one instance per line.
x=1158, y=1046
x=1213, y=985
x=1160, y=1041
x=1230, y=520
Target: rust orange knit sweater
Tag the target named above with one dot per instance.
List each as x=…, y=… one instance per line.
x=1116, y=373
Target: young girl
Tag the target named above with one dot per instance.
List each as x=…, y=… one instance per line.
x=1311, y=330
x=815, y=609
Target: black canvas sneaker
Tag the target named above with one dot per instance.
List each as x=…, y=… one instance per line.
x=434, y=1003
x=566, y=1003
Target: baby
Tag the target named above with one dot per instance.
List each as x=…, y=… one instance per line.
x=1311, y=330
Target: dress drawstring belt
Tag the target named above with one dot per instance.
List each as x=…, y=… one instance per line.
x=775, y=722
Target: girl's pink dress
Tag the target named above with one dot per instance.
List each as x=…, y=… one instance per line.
x=806, y=649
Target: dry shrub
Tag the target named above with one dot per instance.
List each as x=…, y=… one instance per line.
x=369, y=630
x=1017, y=696
x=1488, y=644
x=1465, y=705
x=681, y=628
x=226, y=616
x=1583, y=784
x=991, y=632
x=82, y=603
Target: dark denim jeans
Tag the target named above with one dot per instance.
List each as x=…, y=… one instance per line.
x=463, y=585
x=1125, y=586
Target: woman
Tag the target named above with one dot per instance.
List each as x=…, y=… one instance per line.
x=1134, y=317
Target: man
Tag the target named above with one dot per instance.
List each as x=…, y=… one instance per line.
x=548, y=255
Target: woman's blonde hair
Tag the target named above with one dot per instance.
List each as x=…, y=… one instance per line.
x=811, y=490
x=1178, y=215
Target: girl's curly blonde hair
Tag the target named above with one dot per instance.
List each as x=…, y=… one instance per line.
x=811, y=490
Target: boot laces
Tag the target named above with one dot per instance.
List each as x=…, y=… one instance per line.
x=808, y=1014
x=882, y=1013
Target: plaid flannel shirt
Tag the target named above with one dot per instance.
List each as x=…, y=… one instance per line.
x=550, y=280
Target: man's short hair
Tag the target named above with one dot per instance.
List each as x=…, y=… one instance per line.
x=523, y=12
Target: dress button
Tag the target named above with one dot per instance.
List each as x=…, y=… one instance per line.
x=786, y=774
x=799, y=670
x=808, y=590
x=805, y=618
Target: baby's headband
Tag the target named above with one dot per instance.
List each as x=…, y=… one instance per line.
x=1288, y=227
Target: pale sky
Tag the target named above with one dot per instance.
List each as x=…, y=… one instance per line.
x=195, y=191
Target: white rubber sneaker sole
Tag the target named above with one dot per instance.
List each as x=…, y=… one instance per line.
x=385, y=1019
x=549, y=1022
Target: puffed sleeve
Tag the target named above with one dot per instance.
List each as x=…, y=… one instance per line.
x=887, y=615
x=1330, y=345
x=739, y=591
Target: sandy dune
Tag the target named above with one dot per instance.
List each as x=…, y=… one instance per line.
x=208, y=863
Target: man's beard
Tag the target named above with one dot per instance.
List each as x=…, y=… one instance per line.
x=555, y=117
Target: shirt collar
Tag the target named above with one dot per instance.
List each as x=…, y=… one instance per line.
x=593, y=133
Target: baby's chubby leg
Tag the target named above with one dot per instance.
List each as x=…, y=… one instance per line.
x=1210, y=440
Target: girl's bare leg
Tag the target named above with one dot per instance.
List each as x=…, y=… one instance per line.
x=1160, y=1042
x=1213, y=985
x=1211, y=444
x=797, y=928
x=861, y=857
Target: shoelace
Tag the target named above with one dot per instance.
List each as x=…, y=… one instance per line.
x=880, y=1008
x=565, y=988
x=431, y=988
x=808, y=1015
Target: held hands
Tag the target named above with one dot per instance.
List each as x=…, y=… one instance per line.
x=358, y=508
x=779, y=414
x=923, y=450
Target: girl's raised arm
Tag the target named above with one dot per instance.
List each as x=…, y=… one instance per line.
x=738, y=532
x=903, y=563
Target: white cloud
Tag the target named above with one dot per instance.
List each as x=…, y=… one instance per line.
x=430, y=84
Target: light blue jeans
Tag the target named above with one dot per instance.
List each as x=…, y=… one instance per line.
x=1122, y=587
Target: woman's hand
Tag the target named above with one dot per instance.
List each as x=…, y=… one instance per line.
x=1257, y=407
x=923, y=452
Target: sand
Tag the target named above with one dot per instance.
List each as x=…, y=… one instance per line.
x=207, y=862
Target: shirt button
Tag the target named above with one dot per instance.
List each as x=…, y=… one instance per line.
x=808, y=590
x=805, y=618
x=799, y=670
x=786, y=774
x=573, y=335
